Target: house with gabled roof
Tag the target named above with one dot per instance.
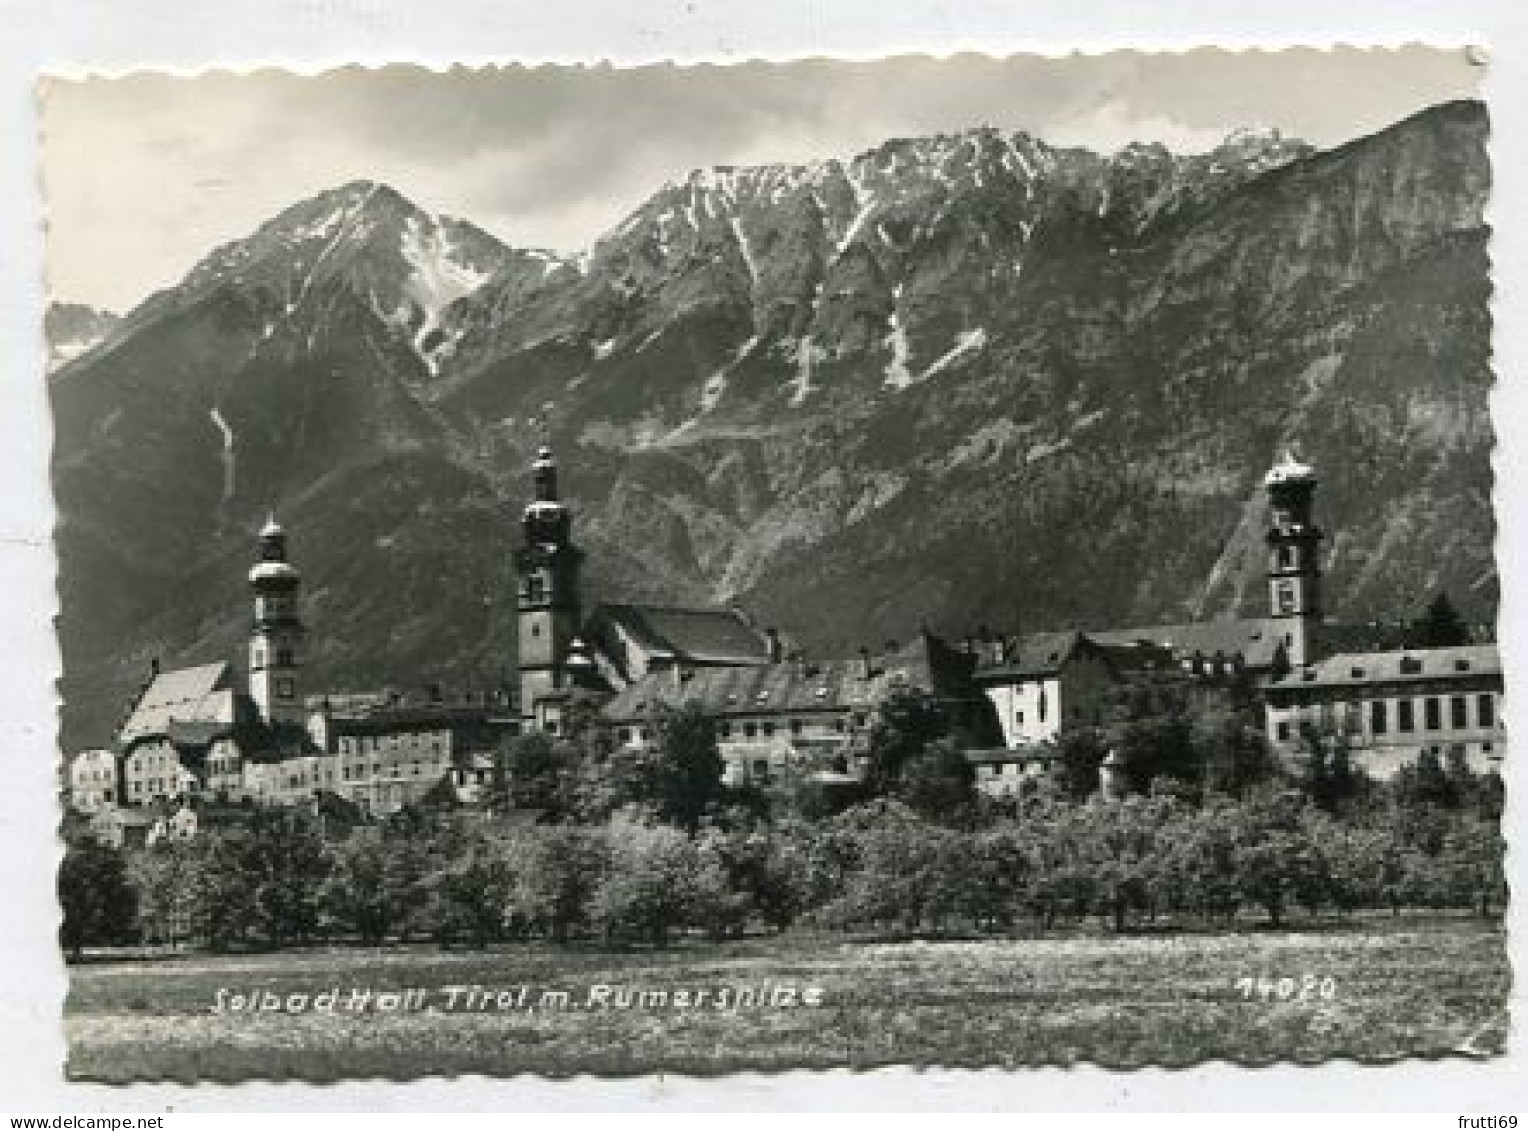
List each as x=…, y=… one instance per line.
x=1042, y=684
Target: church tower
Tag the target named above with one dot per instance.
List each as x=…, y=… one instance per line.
x=547, y=564
x=1294, y=560
x=275, y=644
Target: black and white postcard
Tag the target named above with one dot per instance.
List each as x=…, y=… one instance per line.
x=631, y=570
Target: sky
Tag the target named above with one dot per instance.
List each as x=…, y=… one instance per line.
x=144, y=174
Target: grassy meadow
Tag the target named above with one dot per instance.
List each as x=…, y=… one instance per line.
x=1383, y=990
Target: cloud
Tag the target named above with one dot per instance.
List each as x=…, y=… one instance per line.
x=145, y=174
x=1114, y=125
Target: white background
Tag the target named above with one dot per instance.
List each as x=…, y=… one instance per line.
x=113, y=36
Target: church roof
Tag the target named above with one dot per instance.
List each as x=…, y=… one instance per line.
x=796, y=687
x=702, y=636
x=1254, y=640
x=186, y=695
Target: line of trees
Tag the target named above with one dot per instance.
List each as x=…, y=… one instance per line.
x=585, y=840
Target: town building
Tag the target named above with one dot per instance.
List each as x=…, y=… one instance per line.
x=94, y=781
x=1390, y=706
x=1003, y=772
x=122, y=826
x=1041, y=684
x=791, y=715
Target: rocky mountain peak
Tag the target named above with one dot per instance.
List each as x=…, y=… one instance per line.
x=73, y=329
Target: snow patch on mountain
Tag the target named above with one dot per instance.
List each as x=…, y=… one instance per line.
x=716, y=384
x=438, y=278
x=745, y=249
x=806, y=353
x=987, y=444
x=225, y=434
x=898, y=375
x=967, y=342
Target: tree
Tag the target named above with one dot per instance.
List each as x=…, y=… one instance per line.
x=1439, y=626
x=98, y=902
x=1425, y=783
x=165, y=878
x=649, y=888
x=1079, y=753
x=1473, y=862
x=372, y=882
x=938, y=782
x=560, y=869
x=537, y=765
x=1119, y=845
x=1326, y=766
x=469, y=891
x=262, y=876
x=1234, y=754
x=907, y=721
x=1275, y=860
x=766, y=869
x=1153, y=730
x=687, y=778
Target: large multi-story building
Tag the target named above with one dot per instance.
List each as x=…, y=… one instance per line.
x=774, y=717
x=1390, y=706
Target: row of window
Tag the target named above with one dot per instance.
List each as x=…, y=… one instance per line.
x=766, y=728
x=1432, y=713
x=359, y=745
x=1406, y=716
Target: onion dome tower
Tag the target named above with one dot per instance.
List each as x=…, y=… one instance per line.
x=548, y=565
x=276, y=642
x=1294, y=560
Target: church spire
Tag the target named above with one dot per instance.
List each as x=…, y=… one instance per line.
x=276, y=640
x=549, y=605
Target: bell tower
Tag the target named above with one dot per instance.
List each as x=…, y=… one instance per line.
x=547, y=564
x=276, y=642
x=1294, y=560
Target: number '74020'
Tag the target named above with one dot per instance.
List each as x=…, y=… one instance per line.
x=1307, y=987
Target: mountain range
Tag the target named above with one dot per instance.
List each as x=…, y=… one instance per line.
x=954, y=380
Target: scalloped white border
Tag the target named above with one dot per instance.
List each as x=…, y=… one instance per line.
x=113, y=36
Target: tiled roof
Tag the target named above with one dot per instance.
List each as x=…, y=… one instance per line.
x=187, y=695
x=1045, y=653
x=1255, y=640
x=420, y=717
x=1351, y=669
x=704, y=636
x=1039, y=653
x=796, y=687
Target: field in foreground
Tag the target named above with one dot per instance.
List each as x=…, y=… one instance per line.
x=1407, y=988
